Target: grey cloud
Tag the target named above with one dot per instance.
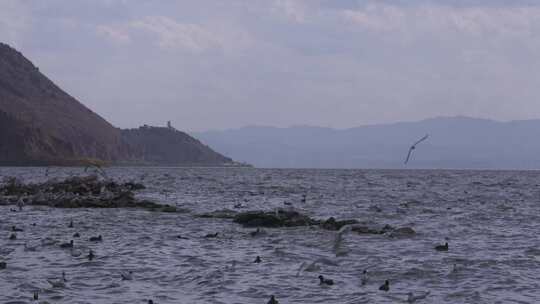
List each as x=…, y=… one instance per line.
x=223, y=64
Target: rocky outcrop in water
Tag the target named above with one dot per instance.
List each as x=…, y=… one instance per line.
x=286, y=218
x=280, y=218
x=219, y=214
x=362, y=229
x=77, y=192
x=291, y=218
x=333, y=224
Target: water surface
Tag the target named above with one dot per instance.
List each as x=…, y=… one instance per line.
x=490, y=219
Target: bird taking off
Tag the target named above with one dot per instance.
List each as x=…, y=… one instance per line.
x=413, y=147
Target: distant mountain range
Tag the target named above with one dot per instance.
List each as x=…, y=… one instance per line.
x=454, y=142
x=40, y=124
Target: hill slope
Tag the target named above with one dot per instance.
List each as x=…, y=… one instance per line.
x=50, y=125
x=159, y=145
x=455, y=142
x=40, y=124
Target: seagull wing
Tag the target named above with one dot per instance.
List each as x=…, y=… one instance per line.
x=421, y=140
x=414, y=146
x=409, y=155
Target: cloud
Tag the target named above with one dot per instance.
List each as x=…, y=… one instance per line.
x=174, y=35
x=117, y=36
x=220, y=64
x=475, y=20
x=171, y=35
x=14, y=21
x=294, y=10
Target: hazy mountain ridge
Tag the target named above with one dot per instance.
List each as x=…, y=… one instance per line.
x=454, y=142
x=43, y=125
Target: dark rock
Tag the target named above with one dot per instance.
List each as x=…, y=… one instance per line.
x=124, y=198
x=223, y=214
x=168, y=208
x=285, y=218
x=387, y=228
x=361, y=229
x=80, y=192
x=365, y=230
x=281, y=218
x=13, y=187
x=134, y=186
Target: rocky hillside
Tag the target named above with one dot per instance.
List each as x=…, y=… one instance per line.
x=48, y=125
x=161, y=145
x=40, y=124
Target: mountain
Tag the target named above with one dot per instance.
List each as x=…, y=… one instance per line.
x=47, y=124
x=454, y=142
x=40, y=124
x=160, y=145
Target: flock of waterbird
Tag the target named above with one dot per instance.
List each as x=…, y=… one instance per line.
x=60, y=282
x=128, y=275
x=364, y=279
x=411, y=298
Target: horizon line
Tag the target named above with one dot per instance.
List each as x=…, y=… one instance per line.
x=362, y=125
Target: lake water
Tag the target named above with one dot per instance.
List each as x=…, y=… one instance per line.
x=491, y=220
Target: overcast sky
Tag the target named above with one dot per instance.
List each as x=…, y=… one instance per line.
x=218, y=64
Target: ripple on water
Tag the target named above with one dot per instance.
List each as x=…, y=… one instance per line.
x=490, y=219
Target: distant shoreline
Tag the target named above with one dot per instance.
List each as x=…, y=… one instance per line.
x=289, y=169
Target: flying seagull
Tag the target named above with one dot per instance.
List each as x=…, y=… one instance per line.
x=414, y=147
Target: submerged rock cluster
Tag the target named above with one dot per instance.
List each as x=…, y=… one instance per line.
x=279, y=218
x=291, y=218
x=93, y=191
x=77, y=192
